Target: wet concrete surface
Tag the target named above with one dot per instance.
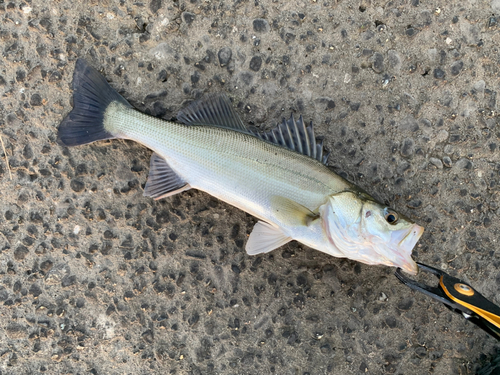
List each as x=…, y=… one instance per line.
x=95, y=278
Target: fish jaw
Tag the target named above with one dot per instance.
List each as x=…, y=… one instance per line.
x=406, y=245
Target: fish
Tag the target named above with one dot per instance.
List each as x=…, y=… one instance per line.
x=280, y=176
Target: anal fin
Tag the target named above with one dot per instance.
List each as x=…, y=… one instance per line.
x=162, y=180
x=265, y=238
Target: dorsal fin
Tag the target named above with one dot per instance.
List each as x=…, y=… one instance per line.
x=296, y=136
x=212, y=110
x=216, y=110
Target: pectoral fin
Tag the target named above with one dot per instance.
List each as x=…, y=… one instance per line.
x=292, y=213
x=265, y=238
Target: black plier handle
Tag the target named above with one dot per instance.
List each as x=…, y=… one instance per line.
x=459, y=297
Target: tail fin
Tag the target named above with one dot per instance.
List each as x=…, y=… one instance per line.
x=91, y=96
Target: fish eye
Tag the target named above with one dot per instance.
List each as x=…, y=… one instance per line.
x=391, y=217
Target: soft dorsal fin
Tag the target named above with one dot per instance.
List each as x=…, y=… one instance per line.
x=162, y=180
x=213, y=110
x=265, y=238
x=296, y=136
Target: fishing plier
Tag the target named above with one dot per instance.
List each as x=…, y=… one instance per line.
x=459, y=297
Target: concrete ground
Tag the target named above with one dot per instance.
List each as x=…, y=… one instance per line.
x=97, y=279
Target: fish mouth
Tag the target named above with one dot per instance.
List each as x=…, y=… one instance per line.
x=407, y=244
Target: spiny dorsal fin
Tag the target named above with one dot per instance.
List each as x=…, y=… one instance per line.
x=296, y=136
x=213, y=110
x=162, y=180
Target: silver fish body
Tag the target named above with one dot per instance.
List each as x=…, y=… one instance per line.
x=294, y=195
x=235, y=167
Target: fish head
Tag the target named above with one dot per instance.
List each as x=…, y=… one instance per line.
x=362, y=229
